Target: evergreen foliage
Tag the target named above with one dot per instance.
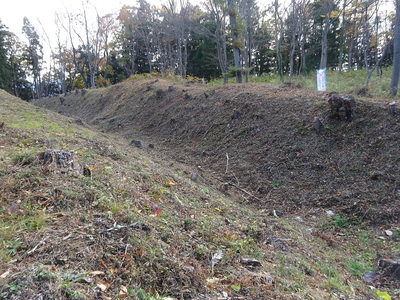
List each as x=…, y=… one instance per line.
x=5, y=68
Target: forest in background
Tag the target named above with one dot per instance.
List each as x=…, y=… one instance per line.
x=219, y=39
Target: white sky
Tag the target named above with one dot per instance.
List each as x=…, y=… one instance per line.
x=42, y=13
x=12, y=12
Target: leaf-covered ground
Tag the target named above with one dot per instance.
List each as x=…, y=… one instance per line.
x=237, y=197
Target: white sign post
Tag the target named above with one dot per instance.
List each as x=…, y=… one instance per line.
x=321, y=80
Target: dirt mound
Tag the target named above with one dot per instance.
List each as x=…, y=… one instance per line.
x=260, y=139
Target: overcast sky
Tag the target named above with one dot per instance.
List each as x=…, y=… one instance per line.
x=42, y=13
x=12, y=12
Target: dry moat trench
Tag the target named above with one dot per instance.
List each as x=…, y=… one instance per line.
x=259, y=140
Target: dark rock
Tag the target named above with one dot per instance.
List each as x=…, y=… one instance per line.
x=79, y=122
x=369, y=277
x=136, y=143
x=193, y=176
x=317, y=124
x=250, y=262
x=60, y=261
x=151, y=146
x=87, y=172
x=160, y=93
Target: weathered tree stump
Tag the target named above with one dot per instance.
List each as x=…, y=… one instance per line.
x=392, y=108
x=342, y=107
x=390, y=268
x=62, y=161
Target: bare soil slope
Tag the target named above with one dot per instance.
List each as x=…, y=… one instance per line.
x=260, y=139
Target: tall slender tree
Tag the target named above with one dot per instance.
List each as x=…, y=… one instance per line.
x=278, y=28
x=328, y=14
x=218, y=14
x=237, y=41
x=396, y=56
x=34, y=55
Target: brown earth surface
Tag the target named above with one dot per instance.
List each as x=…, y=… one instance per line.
x=259, y=139
x=232, y=194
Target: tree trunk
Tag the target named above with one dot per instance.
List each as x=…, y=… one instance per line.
x=219, y=35
x=377, y=63
x=303, y=31
x=342, y=36
x=365, y=40
x=351, y=52
x=396, y=56
x=293, y=40
x=89, y=51
x=236, y=41
x=324, y=43
x=278, y=41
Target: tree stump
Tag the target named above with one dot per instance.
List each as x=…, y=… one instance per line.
x=389, y=268
x=392, y=108
x=341, y=107
x=62, y=161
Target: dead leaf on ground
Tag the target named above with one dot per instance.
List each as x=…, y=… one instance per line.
x=169, y=183
x=103, y=285
x=97, y=273
x=123, y=291
x=5, y=274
